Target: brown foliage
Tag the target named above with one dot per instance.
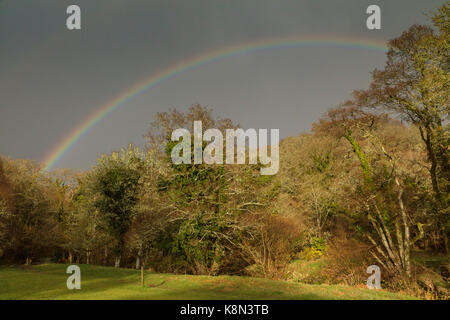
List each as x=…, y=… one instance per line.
x=271, y=247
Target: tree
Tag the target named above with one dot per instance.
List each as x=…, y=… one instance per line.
x=160, y=130
x=385, y=205
x=390, y=223
x=5, y=207
x=414, y=84
x=115, y=184
x=85, y=236
x=204, y=231
x=28, y=217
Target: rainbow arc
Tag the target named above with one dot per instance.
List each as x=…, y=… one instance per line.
x=226, y=52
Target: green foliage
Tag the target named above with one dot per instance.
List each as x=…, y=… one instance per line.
x=117, y=189
x=321, y=161
x=205, y=239
x=316, y=249
x=318, y=244
x=361, y=156
x=204, y=231
x=114, y=184
x=310, y=254
x=203, y=185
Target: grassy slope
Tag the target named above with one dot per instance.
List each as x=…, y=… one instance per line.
x=49, y=282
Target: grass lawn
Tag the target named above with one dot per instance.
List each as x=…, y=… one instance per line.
x=48, y=281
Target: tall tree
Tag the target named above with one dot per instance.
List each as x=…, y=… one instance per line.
x=28, y=217
x=414, y=84
x=115, y=183
x=202, y=229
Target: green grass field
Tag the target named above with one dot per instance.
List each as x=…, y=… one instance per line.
x=49, y=282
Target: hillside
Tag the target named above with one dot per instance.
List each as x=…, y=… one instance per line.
x=49, y=282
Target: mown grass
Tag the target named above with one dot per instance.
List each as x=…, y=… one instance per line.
x=48, y=281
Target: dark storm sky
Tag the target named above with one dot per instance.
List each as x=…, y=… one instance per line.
x=52, y=79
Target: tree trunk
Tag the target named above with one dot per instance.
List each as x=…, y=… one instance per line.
x=432, y=157
x=106, y=256
x=434, y=180
x=396, y=255
x=407, y=244
x=138, y=262
x=138, y=258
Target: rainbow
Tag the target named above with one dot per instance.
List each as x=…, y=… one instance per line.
x=212, y=56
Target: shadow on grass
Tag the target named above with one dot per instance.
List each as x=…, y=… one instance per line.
x=97, y=283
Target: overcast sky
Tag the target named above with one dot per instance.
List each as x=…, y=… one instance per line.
x=52, y=79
